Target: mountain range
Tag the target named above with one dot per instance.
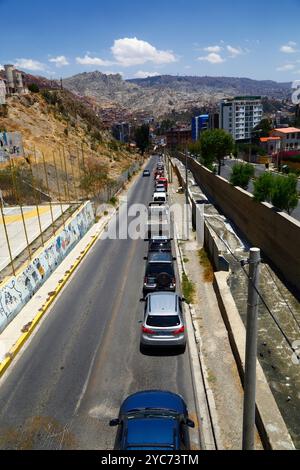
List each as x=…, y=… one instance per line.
x=160, y=95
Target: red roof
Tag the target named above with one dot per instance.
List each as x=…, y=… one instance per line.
x=269, y=139
x=287, y=130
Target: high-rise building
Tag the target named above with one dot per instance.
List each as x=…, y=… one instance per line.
x=240, y=115
x=199, y=124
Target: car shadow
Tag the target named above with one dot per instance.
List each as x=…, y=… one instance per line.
x=161, y=352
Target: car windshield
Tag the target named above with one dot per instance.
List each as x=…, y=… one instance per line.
x=153, y=269
x=163, y=321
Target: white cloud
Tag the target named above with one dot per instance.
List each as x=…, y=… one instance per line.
x=286, y=67
x=213, y=58
x=289, y=48
x=30, y=64
x=213, y=49
x=234, y=51
x=143, y=74
x=88, y=60
x=133, y=51
x=59, y=61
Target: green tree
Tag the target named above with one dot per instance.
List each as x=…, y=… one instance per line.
x=142, y=137
x=33, y=87
x=263, y=187
x=284, y=193
x=241, y=174
x=262, y=129
x=215, y=145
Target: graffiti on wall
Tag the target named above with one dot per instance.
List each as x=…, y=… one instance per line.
x=19, y=289
x=11, y=145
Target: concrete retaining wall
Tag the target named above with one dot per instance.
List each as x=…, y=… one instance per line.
x=20, y=288
x=269, y=422
x=275, y=233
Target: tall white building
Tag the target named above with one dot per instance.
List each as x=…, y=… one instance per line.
x=240, y=115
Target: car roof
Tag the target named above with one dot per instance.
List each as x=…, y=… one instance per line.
x=156, y=194
x=160, y=257
x=154, y=399
x=162, y=303
x=154, y=431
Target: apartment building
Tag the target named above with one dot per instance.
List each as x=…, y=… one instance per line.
x=199, y=124
x=240, y=115
x=289, y=137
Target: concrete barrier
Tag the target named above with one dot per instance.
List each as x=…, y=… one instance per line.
x=17, y=290
x=275, y=233
x=269, y=422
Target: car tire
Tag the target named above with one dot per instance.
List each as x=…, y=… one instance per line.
x=182, y=349
x=163, y=280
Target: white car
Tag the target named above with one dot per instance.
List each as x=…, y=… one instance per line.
x=160, y=197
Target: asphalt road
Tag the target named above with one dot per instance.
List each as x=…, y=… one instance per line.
x=85, y=359
x=259, y=169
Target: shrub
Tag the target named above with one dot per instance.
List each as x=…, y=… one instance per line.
x=241, y=174
x=263, y=187
x=284, y=193
x=33, y=87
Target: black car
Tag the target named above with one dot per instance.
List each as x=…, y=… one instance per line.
x=160, y=273
x=160, y=244
x=146, y=173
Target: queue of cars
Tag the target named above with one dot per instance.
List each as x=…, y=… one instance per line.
x=163, y=323
x=157, y=419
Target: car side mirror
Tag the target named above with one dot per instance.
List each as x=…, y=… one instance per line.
x=114, y=422
x=146, y=239
x=174, y=258
x=190, y=423
x=142, y=300
x=183, y=299
x=145, y=258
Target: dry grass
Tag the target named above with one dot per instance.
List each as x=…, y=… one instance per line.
x=208, y=274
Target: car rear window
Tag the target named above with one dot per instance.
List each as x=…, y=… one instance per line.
x=155, y=246
x=154, y=269
x=163, y=321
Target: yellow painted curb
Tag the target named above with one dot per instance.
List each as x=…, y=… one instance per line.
x=25, y=336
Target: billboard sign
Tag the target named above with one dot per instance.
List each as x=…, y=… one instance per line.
x=10, y=145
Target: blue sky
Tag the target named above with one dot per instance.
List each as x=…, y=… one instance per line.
x=256, y=39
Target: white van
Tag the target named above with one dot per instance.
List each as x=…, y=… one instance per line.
x=160, y=197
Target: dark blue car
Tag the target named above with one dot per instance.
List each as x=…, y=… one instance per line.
x=153, y=419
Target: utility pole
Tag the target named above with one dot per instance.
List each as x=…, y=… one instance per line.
x=251, y=351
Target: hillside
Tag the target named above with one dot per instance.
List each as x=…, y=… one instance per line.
x=160, y=95
x=53, y=120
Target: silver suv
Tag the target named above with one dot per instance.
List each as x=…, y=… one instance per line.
x=163, y=323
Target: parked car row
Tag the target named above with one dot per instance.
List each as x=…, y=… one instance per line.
x=157, y=419
x=163, y=323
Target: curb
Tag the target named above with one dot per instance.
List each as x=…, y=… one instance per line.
x=206, y=427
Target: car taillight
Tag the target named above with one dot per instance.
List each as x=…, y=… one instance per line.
x=147, y=330
x=174, y=281
x=177, y=332
x=145, y=280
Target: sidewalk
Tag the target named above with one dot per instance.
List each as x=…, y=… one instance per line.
x=226, y=397
x=22, y=322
